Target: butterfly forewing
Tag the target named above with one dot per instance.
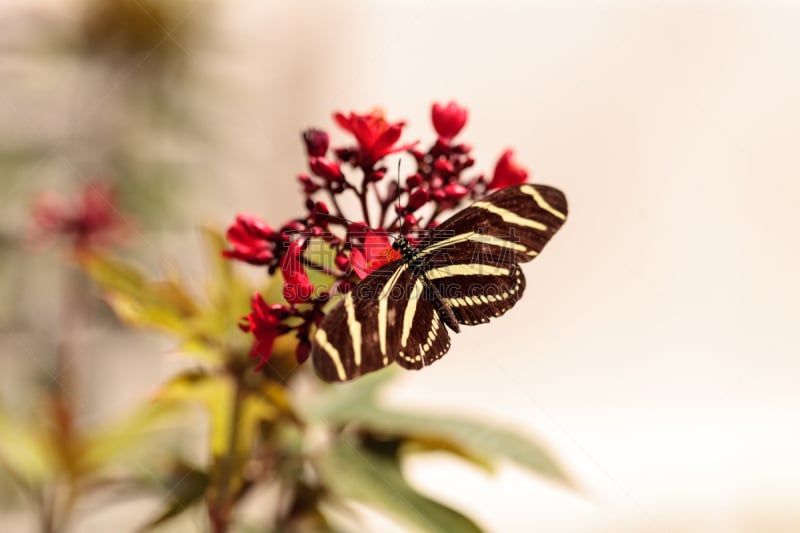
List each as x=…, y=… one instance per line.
x=514, y=223
x=471, y=259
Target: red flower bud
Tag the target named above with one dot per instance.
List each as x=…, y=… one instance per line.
x=455, y=191
x=377, y=175
x=303, y=350
x=448, y=120
x=507, y=172
x=297, y=287
x=410, y=221
x=443, y=166
x=309, y=187
x=417, y=199
x=316, y=142
x=325, y=168
x=414, y=180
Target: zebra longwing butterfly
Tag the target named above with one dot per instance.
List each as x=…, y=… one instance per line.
x=465, y=271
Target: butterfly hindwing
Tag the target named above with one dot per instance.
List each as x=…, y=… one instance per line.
x=477, y=292
x=359, y=334
x=423, y=337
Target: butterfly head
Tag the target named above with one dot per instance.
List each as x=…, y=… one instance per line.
x=398, y=242
x=401, y=244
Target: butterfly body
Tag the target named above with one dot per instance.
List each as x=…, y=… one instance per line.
x=466, y=271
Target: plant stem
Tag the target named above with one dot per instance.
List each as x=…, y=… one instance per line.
x=362, y=196
x=221, y=503
x=335, y=203
x=55, y=506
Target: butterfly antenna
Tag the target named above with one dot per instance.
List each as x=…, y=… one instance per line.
x=335, y=217
x=399, y=161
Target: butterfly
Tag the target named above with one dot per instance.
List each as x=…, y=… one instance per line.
x=464, y=272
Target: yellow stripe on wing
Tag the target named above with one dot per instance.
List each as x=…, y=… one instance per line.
x=322, y=341
x=510, y=216
x=530, y=190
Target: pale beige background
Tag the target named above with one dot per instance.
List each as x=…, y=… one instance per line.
x=657, y=348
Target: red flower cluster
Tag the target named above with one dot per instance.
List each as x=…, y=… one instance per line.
x=91, y=222
x=436, y=185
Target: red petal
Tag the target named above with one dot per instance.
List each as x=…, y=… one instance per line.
x=383, y=144
x=448, y=120
x=507, y=172
x=359, y=263
x=344, y=122
x=326, y=168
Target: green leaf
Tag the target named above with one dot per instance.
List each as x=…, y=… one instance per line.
x=164, y=305
x=422, y=444
x=216, y=393
x=25, y=452
x=478, y=442
x=353, y=472
x=208, y=331
x=185, y=487
x=348, y=397
x=230, y=298
x=111, y=444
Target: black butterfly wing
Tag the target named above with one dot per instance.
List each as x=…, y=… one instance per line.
x=511, y=225
x=423, y=338
x=471, y=259
x=469, y=264
x=477, y=292
x=361, y=333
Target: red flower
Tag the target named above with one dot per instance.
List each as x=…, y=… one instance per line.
x=376, y=137
x=377, y=251
x=507, y=172
x=297, y=288
x=264, y=322
x=93, y=222
x=253, y=240
x=448, y=120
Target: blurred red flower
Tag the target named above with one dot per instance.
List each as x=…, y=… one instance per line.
x=448, y=120
x=507, y=172
x=264, y=322
x=253, y=240
x=376, y=138
x=93, y=221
